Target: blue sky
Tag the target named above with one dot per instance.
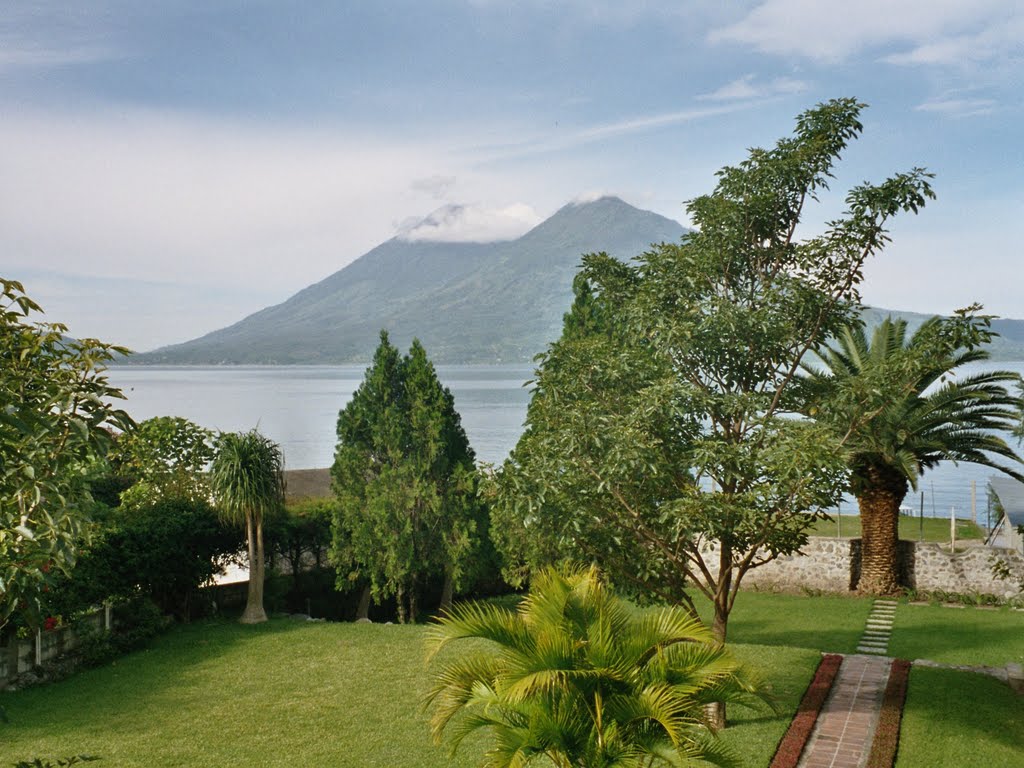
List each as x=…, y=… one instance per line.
x=171, y=167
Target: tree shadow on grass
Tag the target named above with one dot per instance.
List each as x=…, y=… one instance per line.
x=143, y=674
x=964, y=706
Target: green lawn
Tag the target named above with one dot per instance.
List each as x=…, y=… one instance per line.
x=958, y=635
x=935, y=528
x=295, y=693
x=960, y=719
x=832, y=623
x=290, y=693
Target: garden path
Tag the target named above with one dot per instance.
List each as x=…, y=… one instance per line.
x=845, y=727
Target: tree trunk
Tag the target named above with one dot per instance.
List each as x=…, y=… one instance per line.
x=447, y=593
x=413, y=604
x=715, y=712
x=400, y=600
x=363, y=611
x=881, y=492
x=254, y=613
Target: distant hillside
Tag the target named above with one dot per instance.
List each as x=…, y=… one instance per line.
x=467, y=302
x=1008, y=346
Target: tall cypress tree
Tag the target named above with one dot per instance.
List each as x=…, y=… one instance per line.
x=405, y=478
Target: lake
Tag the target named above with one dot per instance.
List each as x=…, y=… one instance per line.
x=297, y=406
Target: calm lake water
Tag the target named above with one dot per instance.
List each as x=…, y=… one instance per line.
x=297, y=406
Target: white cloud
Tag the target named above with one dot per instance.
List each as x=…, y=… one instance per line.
x=958, y=107
x=748, y=87
x=833, y=30
x=14, y=56
x=471, y=224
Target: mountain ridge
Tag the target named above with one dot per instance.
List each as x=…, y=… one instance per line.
x=467, y=302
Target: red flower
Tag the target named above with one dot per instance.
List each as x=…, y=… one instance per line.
x=50, y=623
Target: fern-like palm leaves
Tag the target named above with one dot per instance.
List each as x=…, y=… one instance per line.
x=578, y=677
x=901, y=408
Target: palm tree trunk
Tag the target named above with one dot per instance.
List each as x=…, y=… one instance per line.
x=879, y=500
x=254, y=613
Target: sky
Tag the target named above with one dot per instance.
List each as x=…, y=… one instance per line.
x=167, y=168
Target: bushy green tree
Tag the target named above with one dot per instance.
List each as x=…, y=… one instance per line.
x=165, y=551
x=165, y=457
x=405, y=479
x=900, y=406
x=577, y=677
x=247, y=481
x=663, y=444
x=56, y=405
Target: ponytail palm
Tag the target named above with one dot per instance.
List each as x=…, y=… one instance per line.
x=901, y=409
x=247, y=481
x=578, y=677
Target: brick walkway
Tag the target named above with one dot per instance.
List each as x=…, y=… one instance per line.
x=846, y=725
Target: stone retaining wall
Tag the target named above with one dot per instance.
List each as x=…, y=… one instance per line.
x=833, y=565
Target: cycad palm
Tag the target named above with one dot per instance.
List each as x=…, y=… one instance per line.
x=578, y=677
x=901, y=410
x=247, y=481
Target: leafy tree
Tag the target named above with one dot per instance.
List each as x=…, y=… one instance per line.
x=165, y=550
x=663, y=445
x=165, y=457
x=247, y=481
x=304, y=528
x=900, y=407
x=55, y=405
x=580, y=677
x=405, y=479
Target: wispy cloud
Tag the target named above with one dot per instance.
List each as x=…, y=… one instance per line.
x=748, y=87
x=959, y=107
x=15, y=56
x=471, y=224
x=833, y=30
x=558, y=141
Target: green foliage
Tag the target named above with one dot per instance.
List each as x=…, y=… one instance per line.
x=661, y=443
x=303, y=528
x=165, y=551
x=581, y=677
x=898, y=403
x=406, y=482
x=165, y=457
x=899, y=407
x=55, y=407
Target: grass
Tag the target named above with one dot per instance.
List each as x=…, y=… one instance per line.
x=295, y=693
x=958, y=636
x=832, y=623
x=935, y=528
x=961, y=719
x=292, y=693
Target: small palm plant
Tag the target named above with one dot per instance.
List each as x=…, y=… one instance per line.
x=578, y=677
x=247, y=481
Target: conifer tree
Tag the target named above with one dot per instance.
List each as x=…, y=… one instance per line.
x=405, y=478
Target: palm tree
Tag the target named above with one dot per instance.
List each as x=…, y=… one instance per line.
x=901, y=408
x=578, y=677
x=247, y=481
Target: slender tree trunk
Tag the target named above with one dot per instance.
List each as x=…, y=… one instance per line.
x=719, y=628
x=413, y=603
x=447, y=592
x=363, y=611
x=254, y=613
x=400, y=600
x=879, y=500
